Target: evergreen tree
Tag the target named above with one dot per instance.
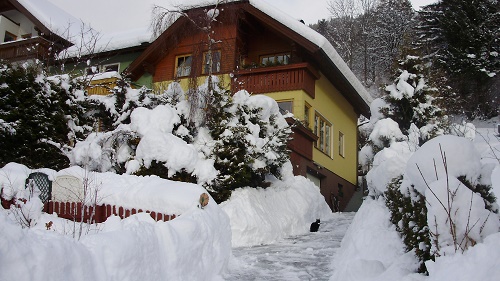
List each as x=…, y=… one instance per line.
x=462, y=38
x=247, y=146
x=40, y=117
x=411, y=100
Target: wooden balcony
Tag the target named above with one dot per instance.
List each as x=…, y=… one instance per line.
x=300, y=76
x=25, y=49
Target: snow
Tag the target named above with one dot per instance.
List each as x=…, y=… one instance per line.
x=402, y=89
x=427, y=165
x=372, y=248
x=187, y=248
x=194, y=246
x=264, y=216
x=387, y=130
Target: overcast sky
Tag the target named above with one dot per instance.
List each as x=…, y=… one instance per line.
x=130, y=13
x=312, y=10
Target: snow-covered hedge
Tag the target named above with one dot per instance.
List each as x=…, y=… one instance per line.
x=456, y=183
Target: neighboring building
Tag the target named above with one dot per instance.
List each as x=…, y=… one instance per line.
x=259, y=49
x=23, y=37
x=104, y=68
x=38, y=30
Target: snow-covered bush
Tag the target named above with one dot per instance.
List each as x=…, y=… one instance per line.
x=443, y=203
x=461, y=208
x=28, y=206
x=223, y=142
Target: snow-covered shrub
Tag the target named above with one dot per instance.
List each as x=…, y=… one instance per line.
x=443, y=204
x=226, y=143
x=409, y=215
x=40, y=116
x=28, y=206
x=250, y=141
x=461, y=208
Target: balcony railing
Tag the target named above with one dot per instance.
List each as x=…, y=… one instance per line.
x=300, y=76
x=25, y=49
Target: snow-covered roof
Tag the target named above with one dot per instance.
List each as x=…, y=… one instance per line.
x=318, y=40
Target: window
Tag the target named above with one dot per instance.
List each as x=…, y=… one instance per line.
x=341, y=144
x=216, y=58
x=111, y=67
x=285, y=106
x=275, y=59
x=323, y=128
x=307, y=110
x=9, y=37
x=183, y=65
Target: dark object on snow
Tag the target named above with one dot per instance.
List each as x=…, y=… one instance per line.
x=315, y=226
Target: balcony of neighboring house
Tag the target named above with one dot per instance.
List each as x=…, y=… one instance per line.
x=279, y=78
x=25, y=49
x=17, y=45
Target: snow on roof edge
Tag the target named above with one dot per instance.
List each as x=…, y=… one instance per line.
x=52, y=17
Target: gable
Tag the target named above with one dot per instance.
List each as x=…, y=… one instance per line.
x=250, y=18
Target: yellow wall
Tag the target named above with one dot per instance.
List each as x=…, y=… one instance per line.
x=337, y=110
x=330, y=104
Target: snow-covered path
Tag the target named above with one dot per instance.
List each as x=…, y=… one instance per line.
x=305, y=257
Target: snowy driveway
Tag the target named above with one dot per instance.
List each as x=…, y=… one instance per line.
x=305, y=257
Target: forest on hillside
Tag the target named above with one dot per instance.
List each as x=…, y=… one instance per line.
x=456, y=40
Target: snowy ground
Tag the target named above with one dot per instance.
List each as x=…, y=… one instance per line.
x=302, y=257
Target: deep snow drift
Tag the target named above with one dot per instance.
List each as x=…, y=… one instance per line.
x=194, y=246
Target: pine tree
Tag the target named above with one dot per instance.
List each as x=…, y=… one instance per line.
x=462, y=38
x=40, y=117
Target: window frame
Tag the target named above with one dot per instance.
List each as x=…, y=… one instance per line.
x=10, y=34
x=307, y=115
x=275, y=61
x=341, y=144
x=205, y=66
x=323, y=129
x=104, y=66
x=285, y=110
x=184, y=69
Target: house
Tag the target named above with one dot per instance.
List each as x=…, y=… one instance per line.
x=39, y=30
x=255, y=47
x=24, y=36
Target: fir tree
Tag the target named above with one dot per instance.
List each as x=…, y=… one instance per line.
x=40, y=117
x=462, y=38
x=411, y=100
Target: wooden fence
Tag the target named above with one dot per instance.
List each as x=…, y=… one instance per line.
x=91, y=214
